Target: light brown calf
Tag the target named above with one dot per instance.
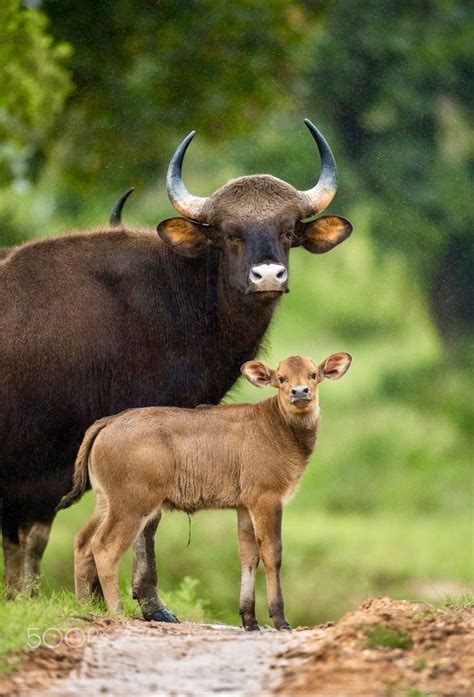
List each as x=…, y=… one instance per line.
x=249, y=457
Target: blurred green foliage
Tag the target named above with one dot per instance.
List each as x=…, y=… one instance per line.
x=146, y=73
x=385, y=506
x=34, y=84
x=400, y=95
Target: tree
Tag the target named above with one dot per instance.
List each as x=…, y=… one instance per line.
x=34, y=84
x=146, y=73
x=397, y=80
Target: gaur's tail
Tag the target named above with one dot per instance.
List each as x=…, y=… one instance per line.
x=80, y=480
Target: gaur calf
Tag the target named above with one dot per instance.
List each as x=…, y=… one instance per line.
x=249, y=457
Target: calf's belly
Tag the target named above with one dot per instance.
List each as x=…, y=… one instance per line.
x=190, y=495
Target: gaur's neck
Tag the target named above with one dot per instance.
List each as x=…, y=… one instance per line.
x=242, y=319
x=186, y=306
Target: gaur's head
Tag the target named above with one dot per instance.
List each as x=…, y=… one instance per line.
x=254, y=221
x=297, y=378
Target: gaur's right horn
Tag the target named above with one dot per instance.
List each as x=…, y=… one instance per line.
x=322, y=193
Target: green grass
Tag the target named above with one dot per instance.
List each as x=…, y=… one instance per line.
x=463, y=601
x=25, y=620
x=420, y=663
x=415, y=692
x=53, y=616
x=386, y=637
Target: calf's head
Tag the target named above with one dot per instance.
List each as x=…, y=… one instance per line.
x=297, y=378
x=254, y=221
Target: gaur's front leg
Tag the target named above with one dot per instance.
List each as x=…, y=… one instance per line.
x=249, y=559
x=266, y=515
x=35, y=540
x=145, y=576
x=13, y=556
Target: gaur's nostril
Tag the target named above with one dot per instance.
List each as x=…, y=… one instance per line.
x=281, y=275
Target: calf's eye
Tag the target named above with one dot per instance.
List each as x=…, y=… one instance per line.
x=313, y=376
x=281, y=379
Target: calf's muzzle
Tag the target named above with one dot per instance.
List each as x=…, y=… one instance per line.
x=300, y=394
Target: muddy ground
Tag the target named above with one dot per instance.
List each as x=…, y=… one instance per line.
x=386, y=648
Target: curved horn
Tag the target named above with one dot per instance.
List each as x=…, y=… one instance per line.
x=321, y=195
x=116, y=217
x=190, y=206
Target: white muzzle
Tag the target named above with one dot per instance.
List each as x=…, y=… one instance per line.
x=268, y=277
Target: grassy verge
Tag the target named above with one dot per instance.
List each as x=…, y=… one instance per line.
x=28, y=622
x=55, y=616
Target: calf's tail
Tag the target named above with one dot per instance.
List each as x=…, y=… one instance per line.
x=80, y=480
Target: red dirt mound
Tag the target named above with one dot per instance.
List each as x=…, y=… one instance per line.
x=388, y=648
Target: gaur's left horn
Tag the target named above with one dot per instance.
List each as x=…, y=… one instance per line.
x=320, y=196
x=188, y=205
x=116, y=217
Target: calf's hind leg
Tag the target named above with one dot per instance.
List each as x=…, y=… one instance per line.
x=109, y=543
x=145, y=576
x=86, y=579
x=249, y=559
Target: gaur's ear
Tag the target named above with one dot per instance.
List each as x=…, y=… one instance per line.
x=185, y=237
x=258, y=373
x=321, y=235
x=335, y=366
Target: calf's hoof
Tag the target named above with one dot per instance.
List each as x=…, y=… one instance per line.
x=165, y=615
x=252, y=627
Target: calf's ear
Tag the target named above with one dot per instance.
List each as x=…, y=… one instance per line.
x=258, y=373
x=184, y=236
x=321, y=235
x=335, y=366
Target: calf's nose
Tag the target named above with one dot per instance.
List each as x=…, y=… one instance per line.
x=268, y=276
x=300, y=392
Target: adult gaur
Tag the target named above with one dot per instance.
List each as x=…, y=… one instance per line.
x=99, y=321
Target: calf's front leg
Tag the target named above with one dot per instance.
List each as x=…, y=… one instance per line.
x=266, y=515
x=249, y=559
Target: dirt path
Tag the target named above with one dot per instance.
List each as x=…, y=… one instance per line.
x=387, y=648
x=187, y=659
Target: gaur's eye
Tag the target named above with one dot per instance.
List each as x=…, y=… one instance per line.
x=281, y=379
x=231, y=235
x=313, y=376
x=288, y=234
